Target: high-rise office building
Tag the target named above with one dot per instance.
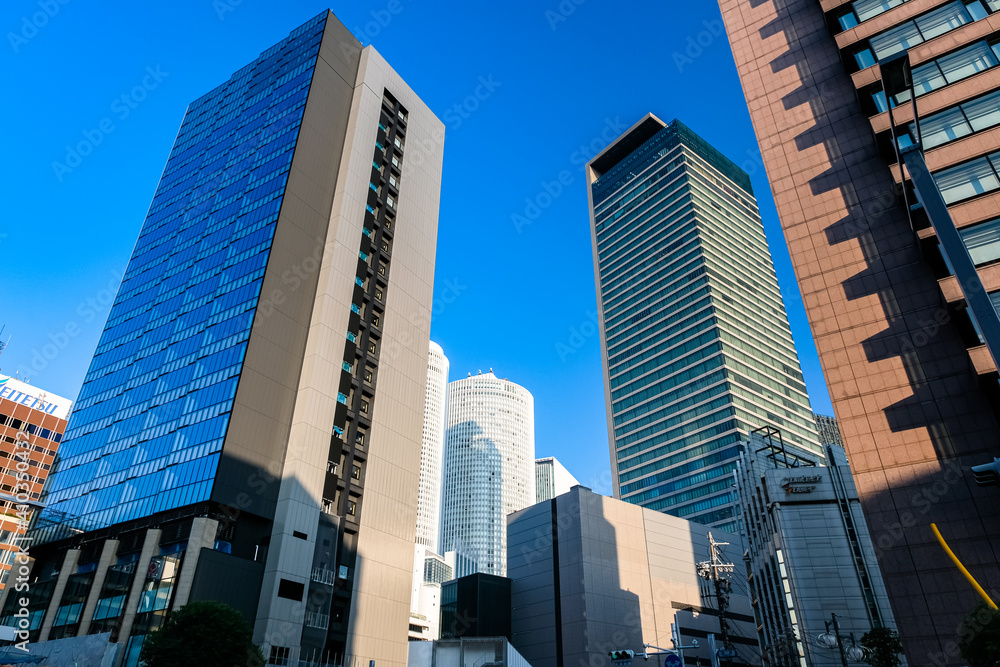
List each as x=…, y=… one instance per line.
x=829, y=432
x=551, y=479
x=250, y=427
x=489, y=469
x=32, y=423
x=913, y=386
x=695, y=341
x=429, y=498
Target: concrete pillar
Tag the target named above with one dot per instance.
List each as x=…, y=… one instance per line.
x=202, y=536
x=68, y=568
x=150, y=548
x=109, y=553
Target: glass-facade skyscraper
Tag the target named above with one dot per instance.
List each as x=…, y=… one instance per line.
x=249, y=430
x=696, y=345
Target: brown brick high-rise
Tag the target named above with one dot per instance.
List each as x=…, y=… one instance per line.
x=913, y=387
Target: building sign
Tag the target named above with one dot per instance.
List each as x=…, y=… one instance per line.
x=33, y=397
x=801, y=483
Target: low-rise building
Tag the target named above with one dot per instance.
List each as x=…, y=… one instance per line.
x=592, y=574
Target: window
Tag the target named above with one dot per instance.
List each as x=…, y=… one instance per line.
x=369, y=375
x=944, y=127
x=847, y=20
x=356, y=472
x=382, y=269
x=983, y=112
x=867, y=9
x=402, y=115
x=352, y=507
x=954, y=123
x=995, y=298
x=279, y=655
x=398, y=143
x=371, y=347
x=969, y=179
x=378, y=293
x=946, y=69
x=388, y=222
x=385, y=246
x=359, y=438
x=864, y=57
x=291, y=590
x=392, y=181
x=390, y=202
x=364, y=406
x=375, y=320
x=928, y=26
x=983, y=241
x=395, y=161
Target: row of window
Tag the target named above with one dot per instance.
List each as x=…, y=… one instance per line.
x=920, y=29
x=942, y=71
x=969, y=179
x=31, y=429
x=862, y=10
x=977, y=114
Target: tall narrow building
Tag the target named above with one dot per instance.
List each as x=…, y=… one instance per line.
x=489, y=469
x=695, y=341
x=429, y=498
x=913, y=382
x=249, y=429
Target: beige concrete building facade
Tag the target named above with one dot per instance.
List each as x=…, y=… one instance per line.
x=912, y=385
x=591, y=574
x=303, y=515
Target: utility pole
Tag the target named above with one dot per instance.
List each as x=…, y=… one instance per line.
x=712, y=569
x=840, y=641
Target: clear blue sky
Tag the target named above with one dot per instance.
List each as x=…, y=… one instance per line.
x=558, y=79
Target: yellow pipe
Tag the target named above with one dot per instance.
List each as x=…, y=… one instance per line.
x=958, y=564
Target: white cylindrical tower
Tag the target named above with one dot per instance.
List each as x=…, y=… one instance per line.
x=429, y=495
x=489, y=468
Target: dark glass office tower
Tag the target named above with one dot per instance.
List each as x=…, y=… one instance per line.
x=695, y=341
x=250, y=427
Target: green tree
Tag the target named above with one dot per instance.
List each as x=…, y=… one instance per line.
x=884, y=646
x=980, y=637
x=199, y=634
